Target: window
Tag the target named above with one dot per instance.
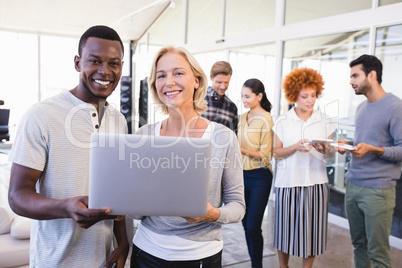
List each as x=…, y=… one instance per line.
x=252, y=62
x=34, y=75
x=57, y=64
x=249, y=16
x=298, y=10
x=204, y=21
x=389, y=51
x=19, y=73
x=330, y=55
x=389, y=2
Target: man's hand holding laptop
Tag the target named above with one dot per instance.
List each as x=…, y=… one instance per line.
x=78, y=209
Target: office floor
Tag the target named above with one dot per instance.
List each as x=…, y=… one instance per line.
x=339, y=248
x=339, y=252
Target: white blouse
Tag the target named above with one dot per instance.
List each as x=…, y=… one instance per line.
x=302, y=168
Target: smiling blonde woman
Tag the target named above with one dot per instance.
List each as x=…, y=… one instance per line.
x=179, y=85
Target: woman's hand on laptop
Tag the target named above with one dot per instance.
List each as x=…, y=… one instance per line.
x=211, y=216
x=78, y=210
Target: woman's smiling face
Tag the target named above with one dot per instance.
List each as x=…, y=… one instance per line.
x=175, y=80
x=249, y=98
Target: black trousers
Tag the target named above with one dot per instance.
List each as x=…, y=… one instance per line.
x=141, y=259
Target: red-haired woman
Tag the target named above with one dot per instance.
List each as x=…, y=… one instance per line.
x=301, y=182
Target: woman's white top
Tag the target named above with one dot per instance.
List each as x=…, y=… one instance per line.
x=173, y=247
x=302, y=168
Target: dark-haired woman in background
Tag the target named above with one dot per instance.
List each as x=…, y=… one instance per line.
x=255, y=139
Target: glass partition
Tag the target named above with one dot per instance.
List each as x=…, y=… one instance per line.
x=19, y=72
x=389, y=50
x=249, y=16
x=389, y=2
x=204, y=21
x=298, y=11
x=53, y=65
x=330, y=55
x=57, y=64
x=252, y=62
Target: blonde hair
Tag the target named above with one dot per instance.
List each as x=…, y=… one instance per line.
x=200, y=105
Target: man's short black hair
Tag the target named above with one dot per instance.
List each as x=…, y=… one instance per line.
x=369, y=63
x=99, y=31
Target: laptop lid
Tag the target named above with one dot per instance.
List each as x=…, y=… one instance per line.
x=149, y=175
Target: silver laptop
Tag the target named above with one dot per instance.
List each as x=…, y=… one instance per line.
x=149, y=175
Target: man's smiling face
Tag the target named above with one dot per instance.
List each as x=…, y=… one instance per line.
x=100, y=67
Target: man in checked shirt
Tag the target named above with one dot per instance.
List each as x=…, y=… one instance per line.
x=220, y=108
